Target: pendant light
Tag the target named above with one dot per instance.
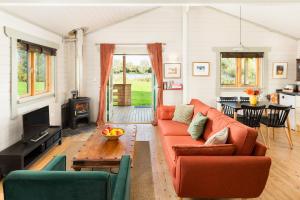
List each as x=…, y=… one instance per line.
x=241, y=47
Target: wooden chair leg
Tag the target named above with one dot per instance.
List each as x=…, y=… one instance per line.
x=268, y=135
x=262, y=135
x=289, y=129
x=289, y=137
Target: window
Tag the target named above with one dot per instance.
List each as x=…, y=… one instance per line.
x=34, y=69
x=240, y=69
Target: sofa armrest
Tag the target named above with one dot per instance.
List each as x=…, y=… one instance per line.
x=259, y=149
x=165, y=112
x=121, y=190
x=58, y=163
x=204, y=150
x=221, y=176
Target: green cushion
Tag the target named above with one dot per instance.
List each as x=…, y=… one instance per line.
x=183, y=113
x=197, y=126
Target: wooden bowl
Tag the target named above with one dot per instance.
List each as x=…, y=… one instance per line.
x=112, y=133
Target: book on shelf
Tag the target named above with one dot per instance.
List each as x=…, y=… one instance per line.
x=171, y=85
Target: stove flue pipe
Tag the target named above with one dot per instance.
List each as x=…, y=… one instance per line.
x=79, y=59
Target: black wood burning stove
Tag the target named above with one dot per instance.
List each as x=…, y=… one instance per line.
x=79, y=111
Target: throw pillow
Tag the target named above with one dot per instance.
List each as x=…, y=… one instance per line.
x=197, y=126
x=183, y=114
x=218, y=138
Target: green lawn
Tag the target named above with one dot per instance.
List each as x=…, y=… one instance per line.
x=22, y=87
x=141, y=90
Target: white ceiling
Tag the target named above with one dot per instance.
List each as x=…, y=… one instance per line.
x=63, y=19
x=284, y=18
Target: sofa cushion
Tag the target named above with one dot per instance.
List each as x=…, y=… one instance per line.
x=211, y=150
x=199, y=107
x=216, y=121
x=183, y=113
x=171, y=141
x=219, y=137
x=259, y=149
x=165, y=112
x=169, y=127
x=243, y=137
x=197, y=126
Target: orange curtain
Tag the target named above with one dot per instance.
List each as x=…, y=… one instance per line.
x=106, y=59
x=155, y=53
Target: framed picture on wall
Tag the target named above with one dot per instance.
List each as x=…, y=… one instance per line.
x=280, y=69
x=172, y=70
x=201, y=68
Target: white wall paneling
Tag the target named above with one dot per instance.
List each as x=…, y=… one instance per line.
x=11, y=129
x=185, y=61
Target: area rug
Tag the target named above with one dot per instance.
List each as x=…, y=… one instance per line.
x=82, y=128
x=142, y=186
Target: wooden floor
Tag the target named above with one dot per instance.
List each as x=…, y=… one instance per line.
x=283, y=182
x=131, y=114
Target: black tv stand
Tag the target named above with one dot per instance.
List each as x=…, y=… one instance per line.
x=23, y=153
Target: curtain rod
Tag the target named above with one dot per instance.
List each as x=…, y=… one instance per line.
x=134, y=44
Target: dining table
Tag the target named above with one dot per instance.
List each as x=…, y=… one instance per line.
x=237, y=105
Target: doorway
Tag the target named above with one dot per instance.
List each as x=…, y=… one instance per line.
x=131, y=90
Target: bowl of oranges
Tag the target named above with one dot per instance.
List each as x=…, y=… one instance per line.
x=112, y=133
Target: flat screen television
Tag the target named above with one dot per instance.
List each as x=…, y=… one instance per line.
x=35, y=123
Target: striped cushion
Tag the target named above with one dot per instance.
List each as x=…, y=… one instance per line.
x=183, y=114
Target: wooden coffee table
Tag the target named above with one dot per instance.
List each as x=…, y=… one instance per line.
x=98, y=152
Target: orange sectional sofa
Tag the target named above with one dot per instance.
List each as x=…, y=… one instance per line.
x=238, y=169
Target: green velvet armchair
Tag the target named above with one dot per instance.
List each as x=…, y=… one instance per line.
x=55, y=183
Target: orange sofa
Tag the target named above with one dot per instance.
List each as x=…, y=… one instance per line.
x=238, y=169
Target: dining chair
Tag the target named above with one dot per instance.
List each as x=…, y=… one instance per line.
x=277, y=118
x=244, y=99
x=226, y=109
x=252, y=116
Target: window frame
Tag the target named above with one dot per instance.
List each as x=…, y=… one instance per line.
x=23, y=105
x=219, y=90
x=238, y=83
x=32, y=75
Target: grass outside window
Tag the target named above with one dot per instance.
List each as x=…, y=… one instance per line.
x=138, y=74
